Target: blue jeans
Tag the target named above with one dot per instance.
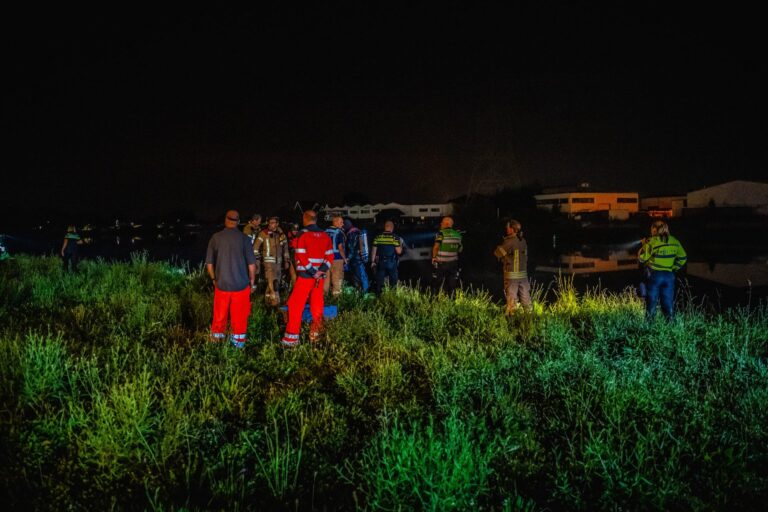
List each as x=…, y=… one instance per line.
x=359, y=275
x=386, y=269
x=660, y=285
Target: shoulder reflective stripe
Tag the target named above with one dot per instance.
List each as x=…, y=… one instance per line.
x=301, y=250
x=316, y=260
x=329, y=251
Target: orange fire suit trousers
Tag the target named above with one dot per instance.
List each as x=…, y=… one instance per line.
x=306, y=287
x=232, y=306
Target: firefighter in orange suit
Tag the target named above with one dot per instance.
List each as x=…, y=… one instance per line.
x=314, y=255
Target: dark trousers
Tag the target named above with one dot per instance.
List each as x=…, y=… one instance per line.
x=359, y=276
x=660, y=285
x=70, y=262
x=446, y=275
x=386, y=269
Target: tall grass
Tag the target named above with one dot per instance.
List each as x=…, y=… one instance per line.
x=112, y=397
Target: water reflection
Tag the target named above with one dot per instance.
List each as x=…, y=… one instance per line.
x=418, y=245
x=753, y=273
x=608, y=259
x=749, y=271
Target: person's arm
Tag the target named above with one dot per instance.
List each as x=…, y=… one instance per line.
x=327, y=260
x=680, y=258
x=252, y=274
x=374, y=250
x=63, y=247
x=398, y=246
x=257, y=242
x=436, y=246
x=645, y=252
x=211, y=272
x=302, y=258
x=286, y=253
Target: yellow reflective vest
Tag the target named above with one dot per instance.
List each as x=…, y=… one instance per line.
x=663, y=256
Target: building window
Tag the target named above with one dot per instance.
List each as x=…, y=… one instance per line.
x=583, y=200
x=563, y=200
x=365, y=212
x=544, y=202
x=353, y=212
x=633, y=261
x=435, y=209
x=586, y=264
x=423, y=209
x=376, y=210
x=626, y=200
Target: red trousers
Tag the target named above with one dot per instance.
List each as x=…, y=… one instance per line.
x=304, y=288
x=235, y=306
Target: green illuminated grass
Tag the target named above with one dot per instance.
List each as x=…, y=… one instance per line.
x=111, y=397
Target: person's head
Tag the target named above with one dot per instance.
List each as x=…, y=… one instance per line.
x=337, y=221
x=273, y=223
x=447, y=222
x=71, y=229
x=255, y=219
x=348, y=224
x=514, y=227
x=660, y=229
x=232, y=219
x=389, y=226
x=309, y=217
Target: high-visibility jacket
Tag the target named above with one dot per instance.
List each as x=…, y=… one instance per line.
x=338, y=237
x=386, y=246
x=513, y=253
x=663, y=256
x=449, y=245
x=271, y=246
x=314, y=251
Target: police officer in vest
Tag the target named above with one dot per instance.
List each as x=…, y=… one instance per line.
x=513, y=254
x=445, y=255
x=663, y=255
x=387, y=247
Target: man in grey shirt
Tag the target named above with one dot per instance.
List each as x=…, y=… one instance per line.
x=231, y=265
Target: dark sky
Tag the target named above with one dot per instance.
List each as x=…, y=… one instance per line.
x=201, y=109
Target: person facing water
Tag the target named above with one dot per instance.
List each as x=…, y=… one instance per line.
x=231, y=265
x=69, y=249
x=513, y=254
x=663, y=255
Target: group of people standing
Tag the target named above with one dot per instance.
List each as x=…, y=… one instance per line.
x=317, y=260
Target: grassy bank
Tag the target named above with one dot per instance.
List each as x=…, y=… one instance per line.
x=111, y=397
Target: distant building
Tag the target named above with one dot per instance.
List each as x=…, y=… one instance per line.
x=370, y=211
x=751, y=195
x=663, y=206
x=619, y=205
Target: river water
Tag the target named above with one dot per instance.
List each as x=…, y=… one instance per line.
x=718, y=278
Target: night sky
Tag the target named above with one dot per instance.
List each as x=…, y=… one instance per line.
x=145, y=112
